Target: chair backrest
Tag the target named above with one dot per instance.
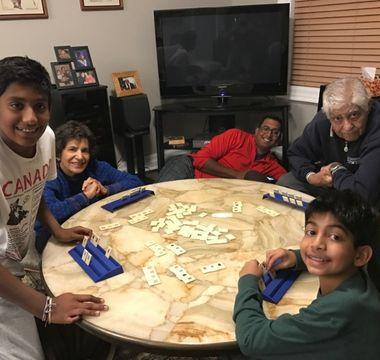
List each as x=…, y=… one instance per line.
x=320, y=98
x=130, y=114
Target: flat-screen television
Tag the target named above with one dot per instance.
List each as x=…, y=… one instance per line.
x=223, y=51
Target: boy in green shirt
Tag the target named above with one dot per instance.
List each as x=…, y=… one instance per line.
x=344, y=321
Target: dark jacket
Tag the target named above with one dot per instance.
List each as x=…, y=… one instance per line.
x=319, y=146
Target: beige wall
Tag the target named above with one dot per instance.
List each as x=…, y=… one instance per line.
x=118, y=40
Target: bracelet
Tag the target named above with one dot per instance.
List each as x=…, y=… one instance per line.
x=308, y=175
x=46, y=313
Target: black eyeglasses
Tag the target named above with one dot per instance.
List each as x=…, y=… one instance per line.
x=266, y=129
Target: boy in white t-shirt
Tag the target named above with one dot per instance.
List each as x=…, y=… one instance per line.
x=27, y=160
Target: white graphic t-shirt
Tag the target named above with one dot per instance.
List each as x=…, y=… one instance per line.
x=22, y=181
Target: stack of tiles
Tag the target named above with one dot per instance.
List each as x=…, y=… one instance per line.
x=175, y=222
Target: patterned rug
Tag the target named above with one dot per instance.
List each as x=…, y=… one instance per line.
x=123, y=354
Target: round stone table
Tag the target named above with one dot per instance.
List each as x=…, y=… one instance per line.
x=173, y=315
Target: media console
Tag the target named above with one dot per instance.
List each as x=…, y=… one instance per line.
x=230, y=108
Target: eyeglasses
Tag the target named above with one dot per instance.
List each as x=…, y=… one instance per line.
x=266, y=129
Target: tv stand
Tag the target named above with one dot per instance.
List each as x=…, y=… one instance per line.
x=232, y=107
x=224, y=103
x=223, y=100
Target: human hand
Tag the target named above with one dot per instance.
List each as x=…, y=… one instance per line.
x=241, y=174
x=252, y=267
x=87, y=182
x=284, y=258
x=70, y=307
x=255, y=176
x=322, y=178
x=75, y=233
x=92, y=187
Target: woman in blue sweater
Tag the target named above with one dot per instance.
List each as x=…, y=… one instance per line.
x=81, y=179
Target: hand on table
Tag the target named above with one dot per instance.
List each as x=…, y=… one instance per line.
x=322, y=178
x=92, y=187
x=75, y=233
x=255, y=176
x=241, y=174
x=70, y=307
x=252, y=267
x=287, y=257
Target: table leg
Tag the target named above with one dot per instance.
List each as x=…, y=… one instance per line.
x=159, y=139
x=112, y=352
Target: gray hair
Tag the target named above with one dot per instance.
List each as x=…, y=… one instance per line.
x=345, y=91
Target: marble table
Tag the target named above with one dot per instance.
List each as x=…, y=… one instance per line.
x=174, y=315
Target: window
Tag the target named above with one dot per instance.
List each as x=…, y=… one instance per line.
x=333, y=39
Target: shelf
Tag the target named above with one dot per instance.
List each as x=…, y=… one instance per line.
x=187, y=146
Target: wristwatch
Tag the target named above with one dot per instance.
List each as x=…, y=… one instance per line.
x=335, y=168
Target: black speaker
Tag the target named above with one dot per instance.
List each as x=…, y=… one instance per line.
x=130, y=114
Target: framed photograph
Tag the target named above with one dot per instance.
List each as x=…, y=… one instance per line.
x=81, y=57
x=89, y=5
x=127, y=83
x=63, y=75
x=86, y=77
x=63, y=53
x=22, y=9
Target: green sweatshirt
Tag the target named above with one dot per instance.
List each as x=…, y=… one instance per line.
x=344, y=324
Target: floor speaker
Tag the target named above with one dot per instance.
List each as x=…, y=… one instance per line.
x=130, y=114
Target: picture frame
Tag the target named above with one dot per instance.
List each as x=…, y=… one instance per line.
x=86, y=77
x=63, y=53
x=63, y=75
x=81, y=57
x=127, y=83
x=91, y=5
x=18, y=9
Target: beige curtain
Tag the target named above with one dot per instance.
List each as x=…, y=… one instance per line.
x=334, y=38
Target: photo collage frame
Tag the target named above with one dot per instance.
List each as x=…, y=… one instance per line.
x=74, y=67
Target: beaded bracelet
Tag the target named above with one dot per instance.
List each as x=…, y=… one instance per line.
x=46, y=313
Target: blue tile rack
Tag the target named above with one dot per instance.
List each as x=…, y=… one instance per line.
x=287, y=199
x=100, y=267
x=276, y=288
x=128, y=199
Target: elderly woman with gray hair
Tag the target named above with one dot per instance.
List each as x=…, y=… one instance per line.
x=340, y=147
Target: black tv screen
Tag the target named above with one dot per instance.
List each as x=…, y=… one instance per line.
x=238, y=50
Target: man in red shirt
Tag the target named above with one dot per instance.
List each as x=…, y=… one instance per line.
x=233, y=154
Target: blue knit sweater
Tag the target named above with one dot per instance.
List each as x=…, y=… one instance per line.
x=64, y=195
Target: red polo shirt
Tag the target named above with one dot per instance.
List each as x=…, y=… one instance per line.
x=236, y=149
